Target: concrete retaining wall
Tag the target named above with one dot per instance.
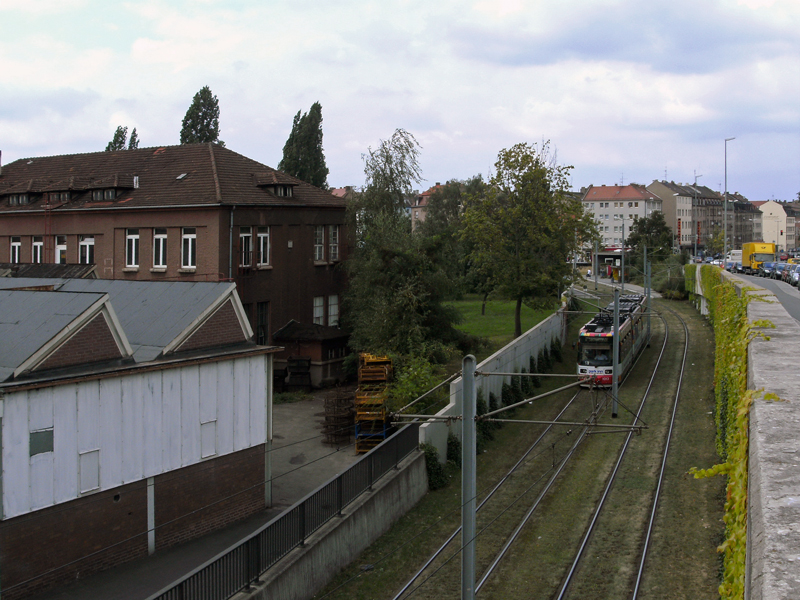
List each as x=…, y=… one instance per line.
x=308, y=569
x=773, y=530
x=509, y=359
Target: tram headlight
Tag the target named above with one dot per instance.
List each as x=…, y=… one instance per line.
x=584, y=371
x=608, y=371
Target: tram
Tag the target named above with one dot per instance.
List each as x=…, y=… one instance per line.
x=595, y=341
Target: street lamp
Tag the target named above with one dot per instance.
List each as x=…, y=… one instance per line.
x=725, y=257
x=694, y=209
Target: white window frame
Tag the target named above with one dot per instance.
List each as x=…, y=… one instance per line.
x=189, y=248
x=333, y=310
x=333, y=243
x=245, y=246
x=132, y=248
x=264, y=247
x=319, y=243
x=319, y=310
x=37, y=249
x=160, y=248
x=15, y=251
x=61, y=246
x=86, y=250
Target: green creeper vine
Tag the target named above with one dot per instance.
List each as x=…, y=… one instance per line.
x=733, y=333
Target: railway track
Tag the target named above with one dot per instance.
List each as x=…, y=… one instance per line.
x=539, y=479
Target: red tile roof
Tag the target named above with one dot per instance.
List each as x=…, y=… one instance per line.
x=619, y=192
x=193, y=174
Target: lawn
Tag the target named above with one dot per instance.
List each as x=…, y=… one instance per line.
x=497, y=325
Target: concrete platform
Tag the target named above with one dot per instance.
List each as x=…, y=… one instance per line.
x=301, y=462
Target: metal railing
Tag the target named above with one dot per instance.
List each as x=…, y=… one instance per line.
x=240, y=566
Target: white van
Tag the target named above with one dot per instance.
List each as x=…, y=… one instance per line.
x=734, y=256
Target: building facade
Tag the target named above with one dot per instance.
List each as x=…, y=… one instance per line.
x=196, y=212
x=615, y=208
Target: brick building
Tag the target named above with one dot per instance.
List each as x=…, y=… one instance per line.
x=615, y=207
x=134, y=416
x=196, y=212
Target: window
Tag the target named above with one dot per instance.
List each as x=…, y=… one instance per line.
x=333, y=243
x=110, y=194
x=61, y=250
x=319, y=243
x=159, y=248
x=245, y=246
x=37, y=249
x=89, y=466
x=86, y=249
x=333, y=311
x=189, y=248
x=319, y=310
x=16, y=249
x=262, y=323
x=263, y=246
x=97, y=195
x=630, y=204
x=283, y=191
x=15, y=199
x=41, y=441
x=131, y=248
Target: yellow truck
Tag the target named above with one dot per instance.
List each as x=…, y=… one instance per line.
x=754, y=254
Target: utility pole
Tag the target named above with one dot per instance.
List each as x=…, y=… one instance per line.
x=622, y=269
x=468, y=478
x=725, y=251
x=615, y=364
x=596, y=265
x=695, y=211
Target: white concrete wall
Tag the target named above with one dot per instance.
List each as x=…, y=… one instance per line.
x=509, y=359
x=118, y=430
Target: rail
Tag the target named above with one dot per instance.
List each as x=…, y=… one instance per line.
x=240, y=566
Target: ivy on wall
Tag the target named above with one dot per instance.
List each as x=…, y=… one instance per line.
x=727, y=312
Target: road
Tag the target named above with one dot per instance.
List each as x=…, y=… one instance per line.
x=788, y=296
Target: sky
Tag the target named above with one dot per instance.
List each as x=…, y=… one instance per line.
x=626, y=91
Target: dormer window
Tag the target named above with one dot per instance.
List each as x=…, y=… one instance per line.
x=284, y=191
x=98, y=195
x=17, y=199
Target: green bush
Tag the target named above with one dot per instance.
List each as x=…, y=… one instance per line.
x=437, y=476
x=516, y=389
x=484, y=428
x=453, y=450
x=555, y=350
x=536, y=381
x=543, y=361
x=527, y=384
x=493, y=406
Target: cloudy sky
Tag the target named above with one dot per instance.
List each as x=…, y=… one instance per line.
x=626, y=90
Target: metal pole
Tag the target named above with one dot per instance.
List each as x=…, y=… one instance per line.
x=615, y=365
x=649, y=277
x=468, y=481
x=596, y=265
x=725, y=251
x=622, y=269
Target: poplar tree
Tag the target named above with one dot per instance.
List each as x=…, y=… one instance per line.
x=303, y=156
x=119, y=140
x=201, y=123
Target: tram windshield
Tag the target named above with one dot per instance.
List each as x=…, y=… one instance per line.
x=596, y=355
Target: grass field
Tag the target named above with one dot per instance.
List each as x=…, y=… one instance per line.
x=497, y=325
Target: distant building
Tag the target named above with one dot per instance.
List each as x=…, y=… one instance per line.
x=615, y=206
x=134, y=415
x=777, y=224
x=419, y=209
x=195, y=212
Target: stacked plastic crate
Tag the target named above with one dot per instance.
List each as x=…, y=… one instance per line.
x=374, y=374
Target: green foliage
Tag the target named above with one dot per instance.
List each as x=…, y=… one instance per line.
x=453, y=450
x=516, y=389
x=543, y=361
x=484, y=428
x=668, y=278
x=506, y=395
x=393, y=304
x=732, y=333
x=413, y=376
x=536, y=381
x=437, y=475
x=303, y=156
x=201, y=123
x=555, y=350
x=118, y=142
x=526, y=225
x=527, y=384
x=494, y=404
x=653, y=233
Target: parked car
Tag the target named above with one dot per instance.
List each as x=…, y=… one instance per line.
x=738, y=267
x=766, y=268
x=794, y=275
x=778, y=269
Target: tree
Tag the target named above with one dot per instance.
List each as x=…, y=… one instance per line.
x=201, y=123
x=394, y=299
x=302, y=154
x=654, y=233
x=119, y=139
x=526, y=226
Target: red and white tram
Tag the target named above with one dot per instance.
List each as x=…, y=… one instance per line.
x=595, y=341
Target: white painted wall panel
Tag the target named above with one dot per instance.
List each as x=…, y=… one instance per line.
x=16, y=468
x=258, y=401
x=110, y=432
x=152, y=421
x=88, y=394
x=65, y=444
x=190, y=415
x=132, y=428
x=41, y=480
x=225, y=407
x=208, y=392
x=171, y=420
x=241, y=404
x=41, y=409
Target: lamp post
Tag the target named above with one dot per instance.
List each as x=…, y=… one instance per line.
x=694, y=210
x=725, y=234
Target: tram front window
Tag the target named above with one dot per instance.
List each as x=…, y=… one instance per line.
x=596, y=356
